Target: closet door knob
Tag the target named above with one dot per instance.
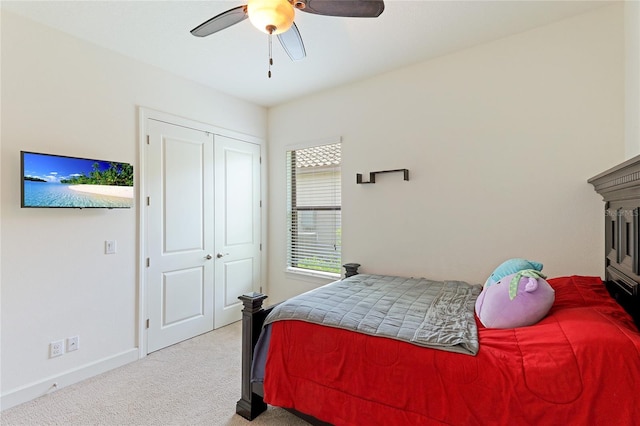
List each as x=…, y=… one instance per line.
x=208, y=257
x=219, y=255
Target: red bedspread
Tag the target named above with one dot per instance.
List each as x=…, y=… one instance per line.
x=580, y=365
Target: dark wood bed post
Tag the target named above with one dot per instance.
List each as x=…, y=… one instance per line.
x=250, y=404
x=350, y=269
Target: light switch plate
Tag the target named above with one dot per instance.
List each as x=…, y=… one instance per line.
x=110, y=247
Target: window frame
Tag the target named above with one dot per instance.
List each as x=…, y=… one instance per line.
x=292, y=209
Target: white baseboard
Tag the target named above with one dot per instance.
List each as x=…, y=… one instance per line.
x=51, y=384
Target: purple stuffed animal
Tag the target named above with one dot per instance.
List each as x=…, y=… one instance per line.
x=517, y=300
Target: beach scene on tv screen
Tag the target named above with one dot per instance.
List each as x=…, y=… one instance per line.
x=54, y=181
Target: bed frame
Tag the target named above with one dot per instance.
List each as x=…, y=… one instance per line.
x=251, y=403
x=620, y=190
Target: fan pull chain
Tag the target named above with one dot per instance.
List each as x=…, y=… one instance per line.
x=270, y=56
x=270, y=29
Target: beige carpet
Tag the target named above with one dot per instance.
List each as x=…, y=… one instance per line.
x=196, y=382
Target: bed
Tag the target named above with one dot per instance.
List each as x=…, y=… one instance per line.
x=578, y=365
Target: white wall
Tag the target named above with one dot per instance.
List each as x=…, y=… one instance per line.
x=64, y=96
x=632, y=77
x=500, y=140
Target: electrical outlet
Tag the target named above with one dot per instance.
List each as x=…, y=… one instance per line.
x=73, y=343
x=110, y=247
x=56, y=348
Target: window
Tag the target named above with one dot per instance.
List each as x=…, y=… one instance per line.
x=314, y=209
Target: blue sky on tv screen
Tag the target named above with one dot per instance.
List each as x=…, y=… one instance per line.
x=52, y=168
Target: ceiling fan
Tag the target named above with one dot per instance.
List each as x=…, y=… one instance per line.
x=275, y=17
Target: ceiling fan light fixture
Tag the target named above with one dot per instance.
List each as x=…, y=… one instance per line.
x=271, y=16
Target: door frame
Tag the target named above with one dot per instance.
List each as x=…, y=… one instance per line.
x=143, y=115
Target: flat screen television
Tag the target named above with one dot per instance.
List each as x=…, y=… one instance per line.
x=58, y=181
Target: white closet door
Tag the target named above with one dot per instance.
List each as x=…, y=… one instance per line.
x=237, y=224
x=179, y=234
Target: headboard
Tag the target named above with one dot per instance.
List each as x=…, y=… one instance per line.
x=620, y=189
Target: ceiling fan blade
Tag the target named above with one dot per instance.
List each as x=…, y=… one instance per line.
x=345, y=8
x=221, y=21
x=292, y=43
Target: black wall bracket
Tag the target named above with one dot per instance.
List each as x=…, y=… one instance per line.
x=372, y=175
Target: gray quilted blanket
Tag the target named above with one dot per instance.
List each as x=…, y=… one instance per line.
x=433, y=314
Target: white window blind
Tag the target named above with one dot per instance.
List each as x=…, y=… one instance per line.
x=314, y=209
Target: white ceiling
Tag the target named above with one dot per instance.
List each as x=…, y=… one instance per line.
x=339, y=50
